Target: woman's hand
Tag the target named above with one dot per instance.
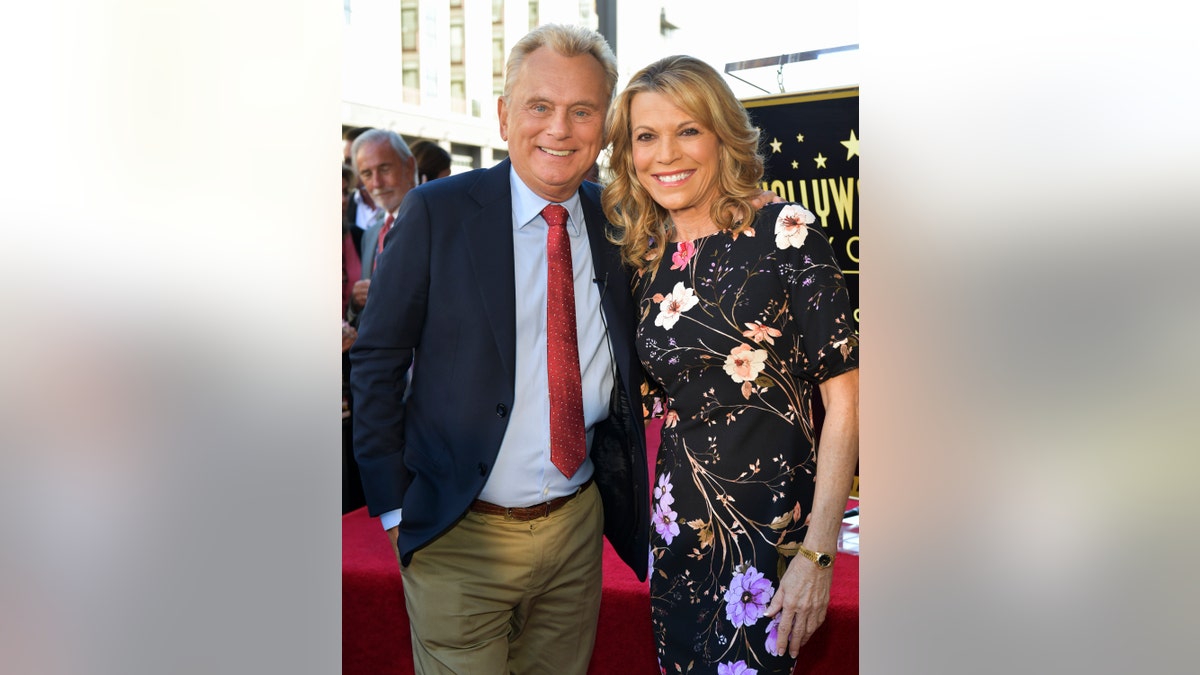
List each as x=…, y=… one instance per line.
x=800, y=602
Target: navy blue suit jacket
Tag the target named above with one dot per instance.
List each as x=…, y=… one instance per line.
x=443, y=295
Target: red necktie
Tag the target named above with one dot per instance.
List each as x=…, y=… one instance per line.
x=387, y=225
x=568, y=439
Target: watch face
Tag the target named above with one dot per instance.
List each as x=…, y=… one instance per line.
x=824, y=560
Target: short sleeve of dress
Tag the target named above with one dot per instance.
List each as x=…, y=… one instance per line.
x=819, y=301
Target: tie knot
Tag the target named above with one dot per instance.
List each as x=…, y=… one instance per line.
x=555, y=215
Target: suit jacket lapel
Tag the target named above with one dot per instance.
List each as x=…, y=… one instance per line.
x=487, y=229
x=615, y=299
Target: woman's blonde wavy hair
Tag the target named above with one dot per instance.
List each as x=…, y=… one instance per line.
x=694, y=86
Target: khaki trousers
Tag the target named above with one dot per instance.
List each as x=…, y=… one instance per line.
x=497, y=596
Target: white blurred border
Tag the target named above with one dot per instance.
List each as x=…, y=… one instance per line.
x=169, y=475
x=169, y=468
x=1028, y=443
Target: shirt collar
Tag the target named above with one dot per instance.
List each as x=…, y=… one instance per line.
x=527, y=206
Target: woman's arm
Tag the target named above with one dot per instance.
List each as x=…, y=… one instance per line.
x=803, y=594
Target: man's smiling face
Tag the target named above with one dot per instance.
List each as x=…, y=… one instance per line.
x=554, y=121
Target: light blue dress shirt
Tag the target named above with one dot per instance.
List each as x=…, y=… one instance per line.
x=523, y=474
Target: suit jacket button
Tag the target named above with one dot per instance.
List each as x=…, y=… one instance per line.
x=482, y=469
x=501, y=410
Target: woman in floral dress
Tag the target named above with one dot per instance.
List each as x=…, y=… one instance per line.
x=741, y=318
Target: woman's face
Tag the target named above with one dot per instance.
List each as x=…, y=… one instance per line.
x=675, y=157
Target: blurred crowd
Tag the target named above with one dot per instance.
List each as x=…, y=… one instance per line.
x=378, y=170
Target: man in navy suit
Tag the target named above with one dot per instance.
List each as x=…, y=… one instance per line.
x=500, y=548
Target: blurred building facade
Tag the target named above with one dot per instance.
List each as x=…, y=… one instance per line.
x=434, y=69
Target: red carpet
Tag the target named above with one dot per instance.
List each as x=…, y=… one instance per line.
x=376, y=641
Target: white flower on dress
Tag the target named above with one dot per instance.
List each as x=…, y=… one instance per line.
x=678, y=301
x=791, y=226
x=744, y=364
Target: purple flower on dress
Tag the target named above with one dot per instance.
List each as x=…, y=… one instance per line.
x=664, y=522
x=735, y=668
x=773, y=637
x=662, y=491
x=747, y=597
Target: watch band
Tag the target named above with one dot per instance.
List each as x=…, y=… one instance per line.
x=822, y=560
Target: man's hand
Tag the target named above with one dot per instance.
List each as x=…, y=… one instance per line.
x=765, y=197
x=358, y=295
x=760, y=200
x=394, y=536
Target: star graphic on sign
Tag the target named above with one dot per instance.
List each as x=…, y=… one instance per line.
x=799, y=138
x=851, y=145
x=820, y=160
x=795, y=164
x=776, y=144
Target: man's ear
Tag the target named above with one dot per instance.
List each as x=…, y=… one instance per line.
x=502, y=113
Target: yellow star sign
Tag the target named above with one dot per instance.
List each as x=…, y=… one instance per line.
x=799, y=138
x=795, y=164
x=776, y=145
x=851, y=145
x=820, y=160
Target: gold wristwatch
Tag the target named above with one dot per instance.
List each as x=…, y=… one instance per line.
x=822, y=560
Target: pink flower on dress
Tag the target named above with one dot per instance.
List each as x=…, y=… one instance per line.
x=791, y=227
x=759, y=333
x=749, y=232
x=685, y=251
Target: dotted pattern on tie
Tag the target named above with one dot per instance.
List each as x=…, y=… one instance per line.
x=568, y=438
x=387, y=226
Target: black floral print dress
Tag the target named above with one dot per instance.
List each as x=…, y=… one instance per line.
x=735, y=332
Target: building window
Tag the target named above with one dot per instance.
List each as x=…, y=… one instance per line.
x=456, y=39
x=497, y=56
x=408, y=29
x=412, y=85
x=458, y=95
